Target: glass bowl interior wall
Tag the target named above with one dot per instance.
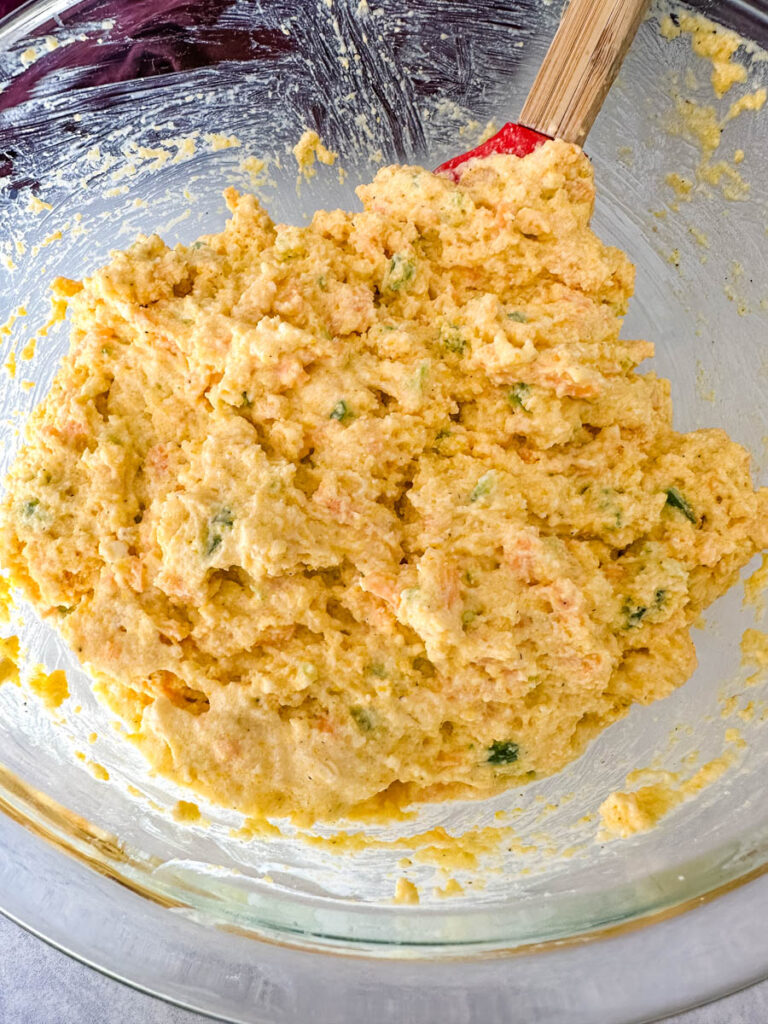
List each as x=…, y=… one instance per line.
x=119, y=118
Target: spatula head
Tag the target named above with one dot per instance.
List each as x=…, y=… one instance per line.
x=512, y=138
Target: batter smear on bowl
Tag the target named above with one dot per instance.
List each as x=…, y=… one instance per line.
x=375, y=510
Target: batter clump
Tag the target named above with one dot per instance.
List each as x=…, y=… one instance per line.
x=377, y=509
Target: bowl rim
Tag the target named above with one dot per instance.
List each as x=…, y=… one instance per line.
x=156, y=942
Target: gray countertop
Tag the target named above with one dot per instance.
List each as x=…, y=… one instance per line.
x=39, y=985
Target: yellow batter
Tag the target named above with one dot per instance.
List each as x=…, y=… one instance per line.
x=377, y=509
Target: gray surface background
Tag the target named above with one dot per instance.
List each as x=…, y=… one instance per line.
x=39, y=985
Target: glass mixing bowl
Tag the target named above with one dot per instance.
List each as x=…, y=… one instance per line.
x=118, y=118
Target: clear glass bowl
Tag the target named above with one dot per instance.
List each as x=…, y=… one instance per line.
x=98, y=104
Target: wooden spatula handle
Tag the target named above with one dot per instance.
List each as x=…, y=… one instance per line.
x=580, y=66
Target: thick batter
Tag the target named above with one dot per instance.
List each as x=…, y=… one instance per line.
x=378, y=509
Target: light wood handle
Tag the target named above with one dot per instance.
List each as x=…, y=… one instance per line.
x=580, y=66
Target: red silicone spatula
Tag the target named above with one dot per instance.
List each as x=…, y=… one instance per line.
x=578, y=70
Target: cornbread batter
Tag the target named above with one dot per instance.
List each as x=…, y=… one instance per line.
x=377, y=509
